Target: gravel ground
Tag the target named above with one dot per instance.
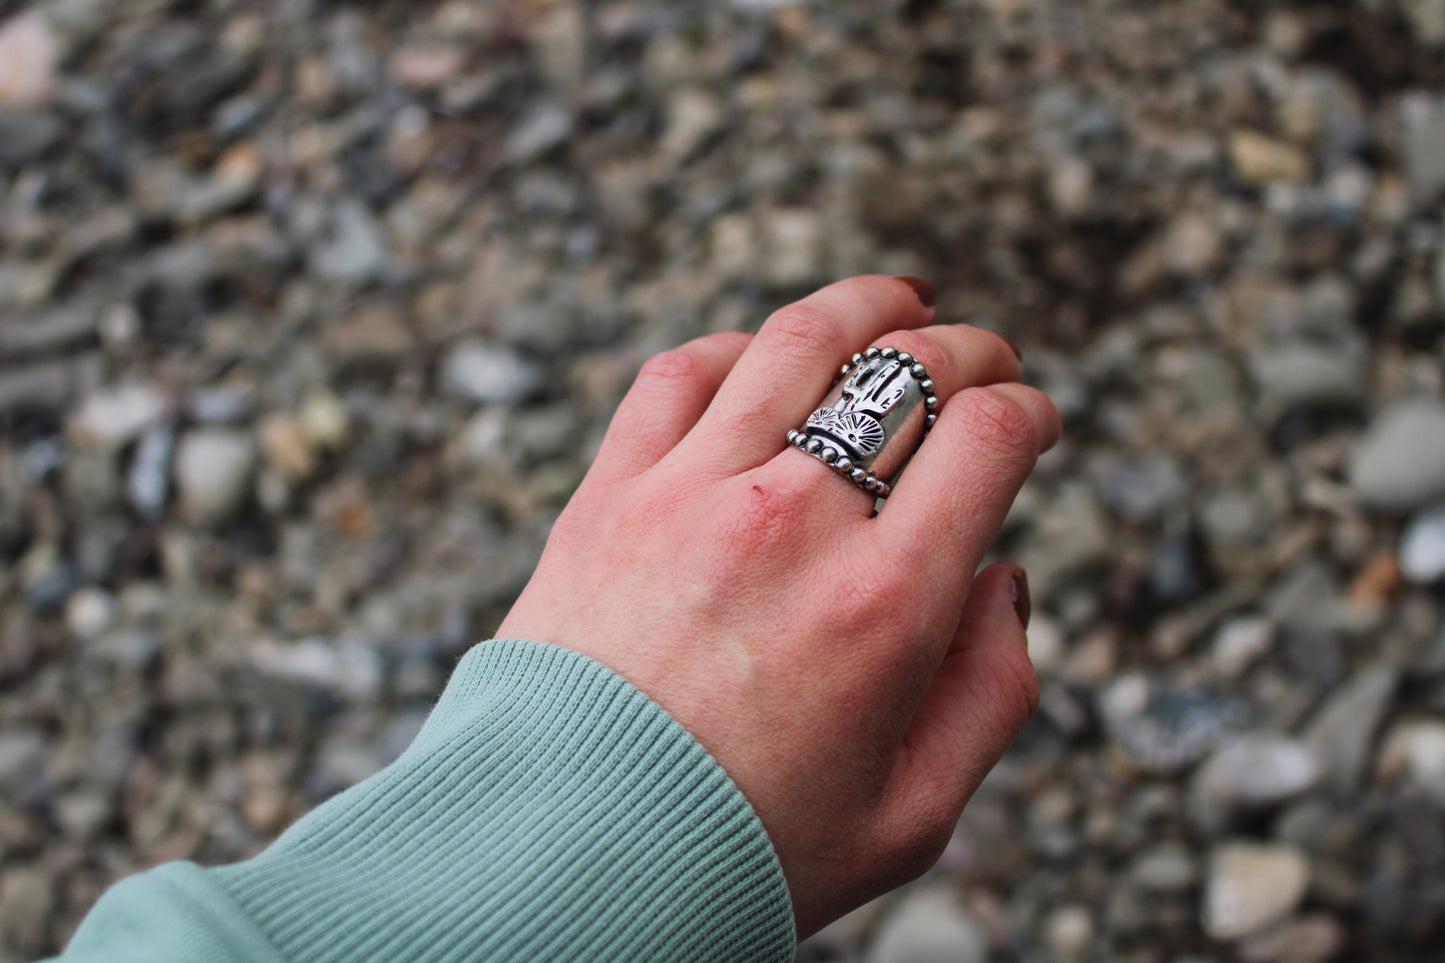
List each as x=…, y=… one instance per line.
x=312, y=313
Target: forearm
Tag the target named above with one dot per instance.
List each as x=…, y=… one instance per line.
x=547, y=809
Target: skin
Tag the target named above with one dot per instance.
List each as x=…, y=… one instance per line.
x=850, y=671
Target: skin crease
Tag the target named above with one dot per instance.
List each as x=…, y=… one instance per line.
x=850, y=672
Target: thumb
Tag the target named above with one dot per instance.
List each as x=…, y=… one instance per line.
x=978, y=702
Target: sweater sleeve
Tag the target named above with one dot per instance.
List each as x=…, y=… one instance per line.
x=547, y=810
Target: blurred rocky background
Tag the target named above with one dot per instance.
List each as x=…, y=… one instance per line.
x=312, y=313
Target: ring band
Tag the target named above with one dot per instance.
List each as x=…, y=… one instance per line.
x=872, y=420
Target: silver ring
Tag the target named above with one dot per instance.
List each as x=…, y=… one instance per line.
x=872, y=420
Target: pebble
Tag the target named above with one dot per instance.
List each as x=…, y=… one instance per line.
x=487, y=374
x=148, y=482
x=325, y=420
x=1422, y=547
x=1163, y=727
x=115, y=417
x=89, y=612
x=286, y=447
x=1261, y=160
x=29, y=52
x=540, y=132
x=1250, y=772
x=1416, y=750
x=1343, y=730
x=929, y=926
x=1168, y=867
x=1252, y=886
x=27, y=903
x=353, y=249
x=28, y=135
x=213, y=469
x=1067, y=932
x=1399, y=463
x=1423, y=120
x=1306, y=374
x=1241, y=641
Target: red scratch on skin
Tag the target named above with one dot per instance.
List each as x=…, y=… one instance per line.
x=759, y=489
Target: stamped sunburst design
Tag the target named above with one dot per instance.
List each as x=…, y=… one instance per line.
x=861, y=433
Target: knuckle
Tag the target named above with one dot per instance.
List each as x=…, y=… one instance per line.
x=677, y=366
x=805, y=327
x=1000, y=425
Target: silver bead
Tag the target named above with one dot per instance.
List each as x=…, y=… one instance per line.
x=918, y=371
x=889, y=353
x=815, y=445
x=926, y=386
x=844, y=464
x=829, y=455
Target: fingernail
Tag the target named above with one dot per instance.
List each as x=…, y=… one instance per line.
x=1022, y=605
x=922, y=287
x=1013, y=344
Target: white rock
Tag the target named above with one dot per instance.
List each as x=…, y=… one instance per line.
x=1418, y=748
x=1253, y=770
x=1067, y=932
x=28, y=56
x=213, y=469
x=325, y=419
x=485, y=373
x=1343, y=730
x=1422, y=547
x=1240, y=641
x=929, y=926
x=117, y=416
x=1252, y=886
x=89, y=612
x=693, y=116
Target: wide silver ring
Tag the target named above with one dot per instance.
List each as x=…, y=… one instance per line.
x=872, y=420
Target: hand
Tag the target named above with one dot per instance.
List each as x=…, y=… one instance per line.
x=848, y=670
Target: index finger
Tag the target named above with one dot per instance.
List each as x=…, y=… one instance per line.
x=954, y=494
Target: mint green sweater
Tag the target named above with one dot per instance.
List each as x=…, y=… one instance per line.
x=548, y=810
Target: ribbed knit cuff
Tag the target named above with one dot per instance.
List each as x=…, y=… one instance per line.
x=548, y=810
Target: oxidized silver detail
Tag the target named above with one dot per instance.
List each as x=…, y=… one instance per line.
x=873, y=420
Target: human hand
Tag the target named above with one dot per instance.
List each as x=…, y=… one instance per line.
x=848, y=670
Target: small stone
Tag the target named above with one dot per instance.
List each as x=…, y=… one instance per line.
x=693, y=116
x=1261, y=160
x=1250, y=772
x=1193, y=245
x=1423, y=119
x=23, y=751
x=546, y=128
x=1163, y=727
x=1306, y=374
x=1378, y=581
x=286, y=447
x=27, y=904
x=27, y=135
x=426, y=66
x=29, y=53
x=213, y=469
x=928, y=926
x=89, y=612
x=147, y=484
x=1416, y=750
x=353, y=249
x=1239, y=642
x=1422, y=547
x=1252, y=886
x=792, y=241
x=1310, y=939
x=325, y=419
x=1342, y=731
x=1167, y=867
x=1399, y=464
x=1046, y=643
x=1067, y=932
x=113, y=418
x=476, y=371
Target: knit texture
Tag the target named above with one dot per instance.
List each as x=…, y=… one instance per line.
x=547, y=810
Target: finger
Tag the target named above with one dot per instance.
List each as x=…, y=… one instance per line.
x=956, y=356
x=790, y=364
x=958, y=488
x=980, y=699
x=671, y=392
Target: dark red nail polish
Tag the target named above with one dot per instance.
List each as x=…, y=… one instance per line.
x=1022, y=604
x=922, y=287
x=1013, y=344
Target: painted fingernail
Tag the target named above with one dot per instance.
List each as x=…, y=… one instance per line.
x=1022, y=605
x=1013, y=344
x=922, y=287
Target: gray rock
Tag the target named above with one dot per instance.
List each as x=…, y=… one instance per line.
x=1251, y=887
x=476, y=371
x=42, y=387
x=539, y=132
x=62, y=327
x=353, y=249
x=1308, y=374
x=1423, y=119
x=1250, y=772
x=1163, y=726
x=1343, y=730
x=929, y=926
x=1167, y=867
x=27, y=904
x=1239, y=642
x=23, y=751
x=1422, y=547
x=1399, y=464
x=213, y=468
x=1141, y=488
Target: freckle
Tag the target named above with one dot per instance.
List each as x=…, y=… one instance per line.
x=758, y=489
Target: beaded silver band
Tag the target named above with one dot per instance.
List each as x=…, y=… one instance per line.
x=872, y=420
